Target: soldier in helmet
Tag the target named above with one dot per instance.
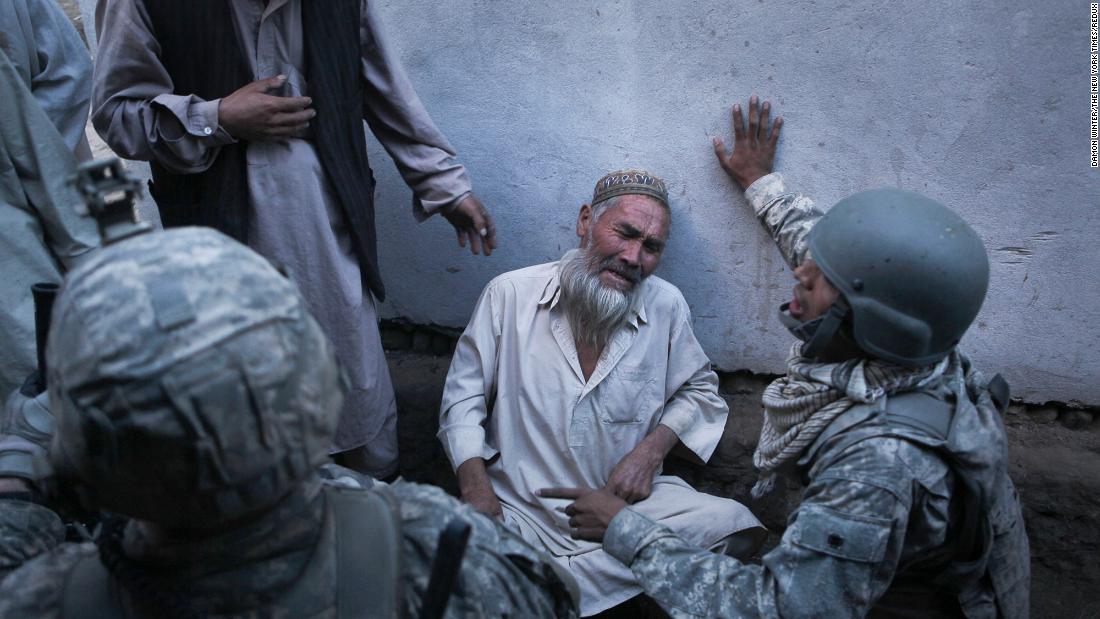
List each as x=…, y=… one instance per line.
x=195, y=399
x=908, y=509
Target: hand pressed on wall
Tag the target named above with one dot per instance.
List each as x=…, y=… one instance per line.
x=753, y=154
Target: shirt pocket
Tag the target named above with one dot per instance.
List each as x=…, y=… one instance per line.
x=844, y=536
x=628, y=395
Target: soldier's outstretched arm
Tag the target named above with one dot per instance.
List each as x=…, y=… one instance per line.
x=836, y=559
x=787, y=216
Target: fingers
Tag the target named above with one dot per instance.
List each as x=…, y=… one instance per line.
x=264, y=85
x=754, y=118
x=269, y=83
x=294, y=118
x=765, y=114
x=563, y=493
x=474, y=224
x=287, y=105
x=719, y=150
x=487, y=230
x=773, y=137
x=738, y=123
x=475, y=242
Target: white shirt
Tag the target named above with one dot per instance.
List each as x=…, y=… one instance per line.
x=515, y=390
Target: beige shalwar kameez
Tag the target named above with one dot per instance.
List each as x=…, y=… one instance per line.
x=516, y=396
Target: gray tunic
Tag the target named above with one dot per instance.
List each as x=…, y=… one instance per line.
x=295, y=218
x=50, y=56
x=40, y=233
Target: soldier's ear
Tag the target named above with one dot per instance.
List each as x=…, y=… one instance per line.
x=584, y=220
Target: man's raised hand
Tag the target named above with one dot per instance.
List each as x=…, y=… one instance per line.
x=754, y=148
x=591, y=511
x=252, y=114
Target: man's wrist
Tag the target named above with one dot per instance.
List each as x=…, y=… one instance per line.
x=746, y=180
x=472, y=477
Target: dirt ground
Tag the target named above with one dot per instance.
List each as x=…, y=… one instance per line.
x=1056, y=470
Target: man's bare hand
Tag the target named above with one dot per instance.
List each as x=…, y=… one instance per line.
x=476, y=489
x=473, y=224
x=252, y=114
x=632, y=478
x=591, y=511
x=753, y=149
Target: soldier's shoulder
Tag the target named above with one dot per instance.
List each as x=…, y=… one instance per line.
x=890, y=462
x=37, y=588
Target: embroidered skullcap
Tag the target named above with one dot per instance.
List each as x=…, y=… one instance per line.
x=624, y=182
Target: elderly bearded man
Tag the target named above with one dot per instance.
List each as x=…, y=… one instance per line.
x=586, y=372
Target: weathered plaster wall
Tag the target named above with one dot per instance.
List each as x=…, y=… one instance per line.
x=981, y=105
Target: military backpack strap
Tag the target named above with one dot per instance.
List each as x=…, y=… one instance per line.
x=972, y=536
x=90, y=593
x=921, y=411
x=368, y=553
x=999, y=392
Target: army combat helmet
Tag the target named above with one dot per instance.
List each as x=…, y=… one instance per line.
x=911, y=273
x=190, y=384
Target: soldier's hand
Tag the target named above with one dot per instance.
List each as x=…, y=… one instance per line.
x=250, y=113
x=590, y=513
x=473, y=225
x=753, y=152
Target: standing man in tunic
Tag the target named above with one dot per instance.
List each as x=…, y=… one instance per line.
x=44, y=72
x=251, y=114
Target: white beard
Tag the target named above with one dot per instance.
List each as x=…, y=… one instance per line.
x=595, y=311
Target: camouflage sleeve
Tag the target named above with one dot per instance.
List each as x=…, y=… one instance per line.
x=837, y=557
x=787, y=216
x=26, y=531
x=38, y=588
x=501, y=574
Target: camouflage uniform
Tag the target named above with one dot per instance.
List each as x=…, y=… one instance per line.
x=195, y=395
x=876, y=513
x=245, y=572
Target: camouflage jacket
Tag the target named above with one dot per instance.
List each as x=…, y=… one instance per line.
x=245, y=572
x=876, y=507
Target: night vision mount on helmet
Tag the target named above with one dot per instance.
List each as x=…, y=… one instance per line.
x=190, y=384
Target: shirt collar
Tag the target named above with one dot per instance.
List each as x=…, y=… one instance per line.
x=551, y=294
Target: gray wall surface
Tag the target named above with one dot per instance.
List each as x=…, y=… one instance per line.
x=981, y=105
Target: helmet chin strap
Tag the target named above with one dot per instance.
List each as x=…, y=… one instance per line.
x=818, y=332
